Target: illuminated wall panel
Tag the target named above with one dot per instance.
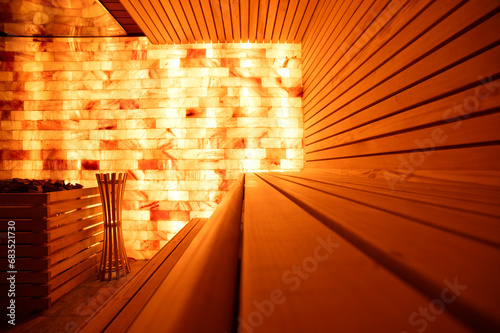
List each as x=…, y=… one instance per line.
x=184, y=121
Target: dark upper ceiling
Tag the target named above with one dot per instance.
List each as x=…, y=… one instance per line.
x=116, y=9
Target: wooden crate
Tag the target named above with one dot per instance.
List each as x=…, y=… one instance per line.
x=58, y=238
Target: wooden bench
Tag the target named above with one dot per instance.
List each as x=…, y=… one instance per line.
x=194, y=276
x=331, y=252
x=340, y=253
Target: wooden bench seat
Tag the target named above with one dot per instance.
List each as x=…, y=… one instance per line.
x=393, y=253
x=331, y=252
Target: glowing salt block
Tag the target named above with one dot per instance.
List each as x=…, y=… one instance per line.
x=178, y=195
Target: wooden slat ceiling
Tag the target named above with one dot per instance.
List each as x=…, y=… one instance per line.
x=198, y=21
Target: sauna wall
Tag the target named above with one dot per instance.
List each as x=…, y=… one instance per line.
x=402, y=85
x=183, y=121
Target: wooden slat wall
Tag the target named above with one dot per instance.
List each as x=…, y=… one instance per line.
x=402, y=85
x=175, y=21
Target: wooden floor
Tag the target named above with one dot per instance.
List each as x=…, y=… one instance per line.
x=72, y=309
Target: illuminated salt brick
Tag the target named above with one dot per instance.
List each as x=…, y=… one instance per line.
x=170, y=53
x=153, y=245
x=248, y=122
x=204, y=72
x=292, y=154
x=6, y=76
x=278, y=92
x=179, y=216
x=188, y=143
x=82, y=154
x=132, y=244
x=160, y=215
x=250, y=164
x=194, y=133
x=139, y=215
x=271, y=101
x=178, y=195
x=252, y=63
x=31, y=145
x=119, y=165
x=168, y=63
x=255, y=153
x=34, y=66
x=270, y=143
x=288, y=123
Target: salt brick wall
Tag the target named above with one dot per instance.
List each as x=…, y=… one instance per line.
x=184, y=121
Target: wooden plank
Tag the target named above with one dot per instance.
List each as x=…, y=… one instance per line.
x=297, y=19
x=236, y=20
x=442, y=111
x=21, y=212
x=140, y=17
x=469, y=76
x=72, y=194
x=253, y=19
x=140, y=299
x=187, y=27
x=161, y=19
x=68, y=240
x=72, y=283
x=26, y=264
x=484, y=229
x=32, y=238
x=27, y=251
x=272, y=13
x=207, y=270
x=378, y=87
x=209, y=19
x=261, y=23
x=374, y=48
x=318, y=25
x=244, y=20
x=75, y=248
x=346, y=33
x=339, y=35
x=475, y=130
x=471, y=158
x=290, y=13
x=159, y=266
x=69, y=205
x=173, y=18
x=33, y=225
x=456, y=194
x=218, y=20
x=59, y=220
x=463, y=74
x=27, y=290
x=421, y=255
x=200, y=19
x=74, y=260
x=91, y=262
x=280, y=19
x=311, y=6
x=72, y=227
x=297, y=275
x=28, y=276
x=21, y=199
x=226, y=11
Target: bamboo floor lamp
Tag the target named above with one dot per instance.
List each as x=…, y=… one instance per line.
x=114, y=256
